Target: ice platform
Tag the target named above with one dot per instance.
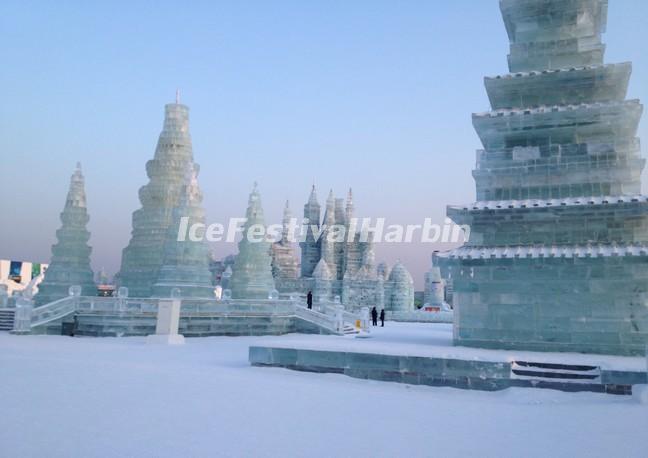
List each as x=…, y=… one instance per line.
x=423, y=354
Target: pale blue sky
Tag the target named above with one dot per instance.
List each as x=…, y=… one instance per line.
x=371, y=94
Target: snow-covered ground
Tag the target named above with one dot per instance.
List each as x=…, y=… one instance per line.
x=62, y=396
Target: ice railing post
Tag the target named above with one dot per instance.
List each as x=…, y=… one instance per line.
x=75, y=293
x=168, y=321
x=122, y=297
x=23, y=316
x=227, y=295
x=339, y=318
x=364, y=317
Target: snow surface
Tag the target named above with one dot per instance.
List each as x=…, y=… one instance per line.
x=107, y=397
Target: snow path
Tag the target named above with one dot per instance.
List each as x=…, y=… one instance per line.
x=119, y=397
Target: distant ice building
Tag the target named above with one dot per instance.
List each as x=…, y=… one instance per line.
x=284, y=262
x=333, y=268
x=557, y=258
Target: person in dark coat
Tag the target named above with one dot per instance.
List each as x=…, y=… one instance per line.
x=309, y=299
x=382, y=318
x=374, y=316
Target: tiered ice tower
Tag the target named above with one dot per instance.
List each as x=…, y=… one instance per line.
x=143, y=257
x=252, y=272
x=557, y=257
x=186, y=261
x=70, y=264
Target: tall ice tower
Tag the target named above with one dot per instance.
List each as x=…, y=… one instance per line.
x=70, y=264
x=143, y=257
x=252, y=272
x=558, y=253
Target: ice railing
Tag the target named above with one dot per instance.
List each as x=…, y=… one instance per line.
x=52, y=311
x=188, y=306
x=348, y=317
x=318, y=318
x=330, y=315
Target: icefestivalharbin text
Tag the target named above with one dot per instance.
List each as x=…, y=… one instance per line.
x=377, y=231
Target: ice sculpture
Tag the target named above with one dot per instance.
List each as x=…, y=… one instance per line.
x=284, y=263
x=186, y=261
x=252, y=271
x=70, y=264
x=144, y=255
x=399, y=290
x=558, y=256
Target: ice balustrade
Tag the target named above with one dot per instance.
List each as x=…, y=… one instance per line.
x=331, y=308
x=332, y=315
x=318, y=318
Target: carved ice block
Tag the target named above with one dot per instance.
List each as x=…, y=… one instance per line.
x=168, y=320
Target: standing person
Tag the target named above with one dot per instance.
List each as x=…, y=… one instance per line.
x=382, y=318
x=374, y=316
x=309, y=299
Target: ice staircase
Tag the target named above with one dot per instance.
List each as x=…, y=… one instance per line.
x=7, y=319
x=327, y=321
x=555, y=373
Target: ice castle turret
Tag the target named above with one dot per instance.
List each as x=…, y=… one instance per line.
x=70, y=264
x=558, y=252
x=284, y=262
x=310, y=249
x=328, y=245
x=186, y=261
x=252, y=272
x=144, y=255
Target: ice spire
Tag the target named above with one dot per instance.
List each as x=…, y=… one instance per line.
x=349, y=206
x=328, y=246
x=252, y=272
x=329, y=216
x=70, y=264
x=76, y=196
x=143, y=257
x=310, y=248
x=312, y=199
x=285, y=224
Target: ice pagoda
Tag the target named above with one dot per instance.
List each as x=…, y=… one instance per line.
x=70, y=265
x=252, y=272
x=557, y=258
x=186, y=261
x=144, y=255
